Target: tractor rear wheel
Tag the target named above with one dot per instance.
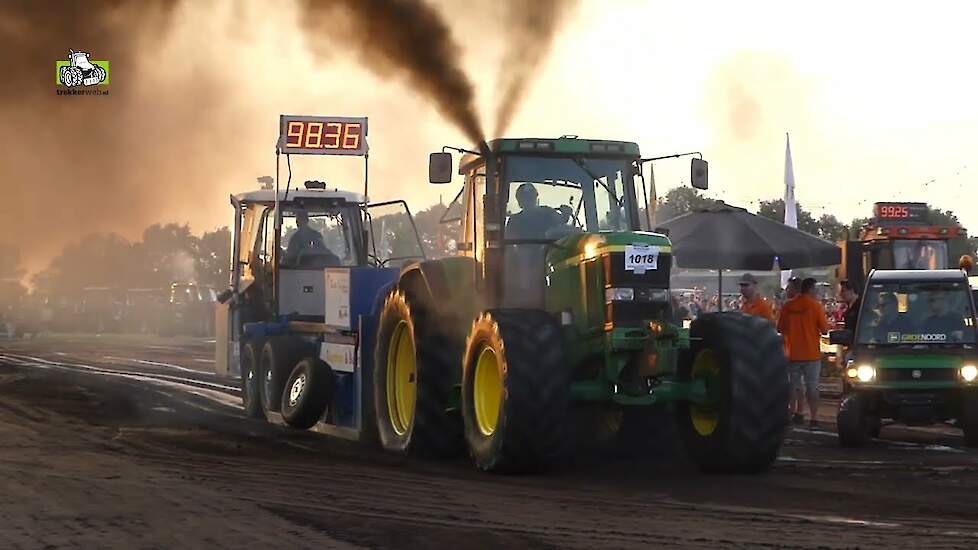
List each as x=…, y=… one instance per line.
x=250, y=379
x=414, y=367
x=308, y=391
x=515, y=391
x=71, y=76
x=740, y=428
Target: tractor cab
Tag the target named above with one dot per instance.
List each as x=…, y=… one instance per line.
x=281, y=265
x=318, y=228
x=533, y=205
x=902, y=236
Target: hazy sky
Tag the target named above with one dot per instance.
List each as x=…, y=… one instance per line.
x=878, y=99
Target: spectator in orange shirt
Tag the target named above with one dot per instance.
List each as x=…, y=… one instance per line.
x=754, y=303
x=802, y=324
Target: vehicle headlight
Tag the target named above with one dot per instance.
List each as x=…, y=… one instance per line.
x=969, y=373
x=591, y=247
x=619, y=294
x=865, y=373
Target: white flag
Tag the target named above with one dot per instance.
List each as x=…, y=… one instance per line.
x=790, y=208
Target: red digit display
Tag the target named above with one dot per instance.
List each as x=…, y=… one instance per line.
x=294, y=131
x=906, y=212
x=893, y=211
x=351, y=136
x=314, y=135
x=333, y=131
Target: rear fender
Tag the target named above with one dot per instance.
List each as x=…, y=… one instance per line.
x=446, y=286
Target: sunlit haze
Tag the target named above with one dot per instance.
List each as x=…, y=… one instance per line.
x=878, y=102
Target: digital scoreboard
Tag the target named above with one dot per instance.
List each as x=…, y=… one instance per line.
x=322, y=135
x=900, y=212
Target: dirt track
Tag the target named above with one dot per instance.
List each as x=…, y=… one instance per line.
x=131, y=443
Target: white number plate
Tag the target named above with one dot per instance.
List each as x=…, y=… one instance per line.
x=641, y=258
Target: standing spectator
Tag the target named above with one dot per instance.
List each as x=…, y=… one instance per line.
x=802, y=323
x=754, y=303
x=850, y=296
x=789, y=292
x=792, y=288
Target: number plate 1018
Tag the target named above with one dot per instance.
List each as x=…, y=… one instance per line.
x=640, y=259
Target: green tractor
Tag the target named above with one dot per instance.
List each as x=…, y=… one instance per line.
x=558, y=308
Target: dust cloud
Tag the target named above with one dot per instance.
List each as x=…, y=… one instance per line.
x=752, y=98
x=196, y=88
x=77, y=164
x=530, y=28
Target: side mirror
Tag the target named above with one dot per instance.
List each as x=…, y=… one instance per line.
x=840, y=337
x=440, y=168
x=699, y=174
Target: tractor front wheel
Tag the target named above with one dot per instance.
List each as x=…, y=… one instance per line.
x=515, y=391
x=969, y=418
x=739, y=428
x=852, y=423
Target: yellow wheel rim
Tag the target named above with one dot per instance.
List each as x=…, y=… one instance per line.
x=704, y=417
x=402, y=376
x=487, y=391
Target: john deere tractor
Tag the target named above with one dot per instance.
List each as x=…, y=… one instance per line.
x=558, y=305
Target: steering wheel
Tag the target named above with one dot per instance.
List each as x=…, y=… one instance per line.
x=331, y=259
x=560, y=231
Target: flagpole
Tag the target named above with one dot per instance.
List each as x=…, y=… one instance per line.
x=790, y=206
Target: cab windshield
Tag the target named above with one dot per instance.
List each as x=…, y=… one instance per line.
x=315, y=236
x=917, y=313
x=550, y=198
x=919, y=254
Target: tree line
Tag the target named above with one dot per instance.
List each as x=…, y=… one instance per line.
x=681, y=200
x=168, y=253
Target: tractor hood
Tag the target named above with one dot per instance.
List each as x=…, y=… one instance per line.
x=575, y=249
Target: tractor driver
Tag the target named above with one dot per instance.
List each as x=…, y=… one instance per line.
x=304, y=238
x=532, y=221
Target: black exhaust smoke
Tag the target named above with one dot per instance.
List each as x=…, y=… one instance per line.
x=401, y=37
x=532, y=27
